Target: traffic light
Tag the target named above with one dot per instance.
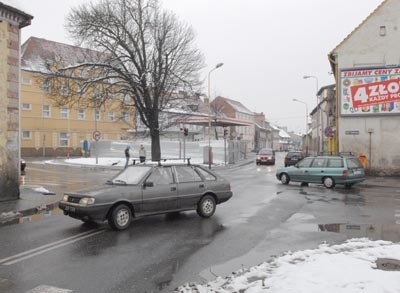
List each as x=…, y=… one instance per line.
x=185, y=131
x=225, y=132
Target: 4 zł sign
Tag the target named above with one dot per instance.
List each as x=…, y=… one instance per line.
x=376, y=93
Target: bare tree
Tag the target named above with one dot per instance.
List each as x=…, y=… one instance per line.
x=145, y=54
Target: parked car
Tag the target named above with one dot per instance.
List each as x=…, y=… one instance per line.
x=265, y=156
x=144, y=190
x=293, y=157
x=328, y=170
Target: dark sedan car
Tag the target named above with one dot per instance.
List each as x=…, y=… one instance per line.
x=143, y=190
x=293, y=157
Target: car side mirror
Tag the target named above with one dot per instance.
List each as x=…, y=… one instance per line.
x=148, y=184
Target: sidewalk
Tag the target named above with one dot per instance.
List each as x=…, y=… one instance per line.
x=32, y=202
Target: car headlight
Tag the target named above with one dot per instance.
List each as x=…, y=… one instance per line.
x=65, y=198
x=86, y=200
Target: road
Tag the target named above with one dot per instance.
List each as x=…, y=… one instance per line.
x=157, y=254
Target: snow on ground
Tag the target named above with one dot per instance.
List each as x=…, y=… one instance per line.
x=41, y=189
x=348, y=267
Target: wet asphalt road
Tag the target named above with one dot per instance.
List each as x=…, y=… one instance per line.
x=157, y=254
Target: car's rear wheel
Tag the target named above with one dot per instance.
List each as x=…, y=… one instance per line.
x=285, y=178
x=120, y=217
x=206, y=206
x=329, y=182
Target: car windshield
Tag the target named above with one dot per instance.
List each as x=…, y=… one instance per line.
x=265, y=152
x=131, y=175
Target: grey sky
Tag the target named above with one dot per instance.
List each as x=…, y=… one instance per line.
x=266, y=46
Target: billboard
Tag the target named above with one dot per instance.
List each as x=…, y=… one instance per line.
x=371, y=91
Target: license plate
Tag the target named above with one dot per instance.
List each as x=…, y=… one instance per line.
x=68, y=208
x=357, y=172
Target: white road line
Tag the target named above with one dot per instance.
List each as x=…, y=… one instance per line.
x=48, y=289
x=47, y=247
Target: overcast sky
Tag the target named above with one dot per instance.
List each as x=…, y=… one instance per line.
x=266, y=46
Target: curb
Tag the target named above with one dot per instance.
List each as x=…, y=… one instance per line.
x=13, y=217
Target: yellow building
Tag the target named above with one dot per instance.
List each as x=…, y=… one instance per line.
x=49, y=130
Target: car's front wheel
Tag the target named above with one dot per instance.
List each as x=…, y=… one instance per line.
x=329, y=182
x=206, y=206
x=285, y=178
x=120, y=218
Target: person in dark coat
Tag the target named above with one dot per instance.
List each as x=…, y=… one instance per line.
x=127, y=155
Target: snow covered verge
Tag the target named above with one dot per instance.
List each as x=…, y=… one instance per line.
x=348, y=267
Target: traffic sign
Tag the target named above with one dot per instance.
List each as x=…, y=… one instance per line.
x=329, y=132
x=96, y=135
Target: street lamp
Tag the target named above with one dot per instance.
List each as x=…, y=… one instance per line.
x=305, y=139
x=319, y=117
x=209, y=114
x=316, y=81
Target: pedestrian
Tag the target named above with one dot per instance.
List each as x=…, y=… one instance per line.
x=86, y=148
x=142, y=154
x=127, y=155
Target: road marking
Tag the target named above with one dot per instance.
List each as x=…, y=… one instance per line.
x=48, y=289
x=47, y=247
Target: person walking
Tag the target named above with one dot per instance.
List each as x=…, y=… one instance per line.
x=127, y=155
x=142, y=154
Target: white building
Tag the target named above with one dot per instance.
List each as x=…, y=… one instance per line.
x=366, y=65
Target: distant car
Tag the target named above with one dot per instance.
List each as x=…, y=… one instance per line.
x=144, y=190
x=326, y=170
x=22, y=165
x=293, y=157
x=265, y=156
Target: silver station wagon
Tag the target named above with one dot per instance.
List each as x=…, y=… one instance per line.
x=146, y=189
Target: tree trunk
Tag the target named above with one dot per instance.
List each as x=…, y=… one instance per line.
x=155, y=145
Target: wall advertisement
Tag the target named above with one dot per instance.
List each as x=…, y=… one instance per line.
x=372, y=91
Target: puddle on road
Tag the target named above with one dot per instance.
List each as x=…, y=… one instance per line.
x=40, y=215
x=388, y=232
x=35, y=215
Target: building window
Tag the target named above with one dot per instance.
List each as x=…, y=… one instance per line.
x=64, y=139
x=64, y=112
x=111, y=116
x=26, y=134
x=81, y=114
x=46, y=86
x=64, y=90
x=46, y=111
x=26, y=81
x=96, y=95
x=96, y=114
x=26, y=106
x=125, y=116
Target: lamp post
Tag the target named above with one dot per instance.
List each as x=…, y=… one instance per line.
x=209, y=114
x=305, y=139
x=319, y=117
x=316, y=81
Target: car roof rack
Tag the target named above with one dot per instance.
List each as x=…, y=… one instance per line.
x=347, y=154
x=173, y=159
x=137, y=161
